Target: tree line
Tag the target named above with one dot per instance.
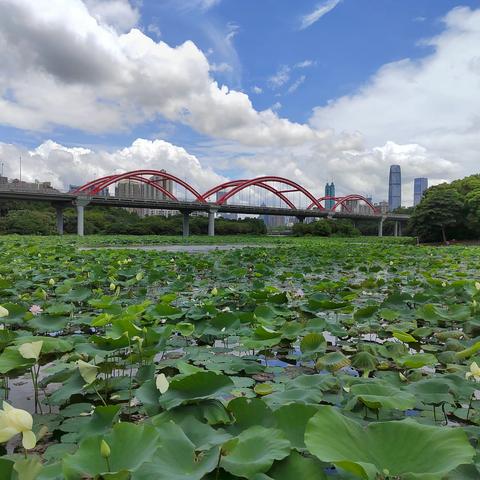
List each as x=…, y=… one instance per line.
x=38, y=219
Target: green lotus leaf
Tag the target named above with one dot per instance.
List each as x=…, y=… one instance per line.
x=417, y=360
x=263, y=389
x=313, y=343
x=404, y=448
x=254, y=451
x=198, y=386
x=332, y=362
x=404, y=337
x=131, y=446
x=297, y=467
x=185, y=328
x=10, y=359
x=292, y=420
x=431, y=391
x=248, y=412
x=364, y=361
x=177, y=458
x=377, y=395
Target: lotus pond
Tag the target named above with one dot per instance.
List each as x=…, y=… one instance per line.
x=314, y=359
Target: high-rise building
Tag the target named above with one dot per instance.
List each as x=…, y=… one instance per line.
x=134, y=189
x=329, y=192
x=227, y=216
x=271, y=221
x=395, y=188
x=419, y=187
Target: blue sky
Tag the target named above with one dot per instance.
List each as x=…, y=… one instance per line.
x=346, y=46
x=336, y=75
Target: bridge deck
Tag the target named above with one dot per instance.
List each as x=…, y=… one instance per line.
x=65, y=199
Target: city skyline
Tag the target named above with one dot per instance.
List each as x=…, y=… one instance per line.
x=234, y=102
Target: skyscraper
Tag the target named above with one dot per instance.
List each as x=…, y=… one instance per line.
x=419, y=187
x=394, y=188
x=329, y=192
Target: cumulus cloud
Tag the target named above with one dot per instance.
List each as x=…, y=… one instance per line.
x=64, y=64
x=117, y=13
x=61, y=66
x=320, y=11
x=433, y=102
x=63, y=165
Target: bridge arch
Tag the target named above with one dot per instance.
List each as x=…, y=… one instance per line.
x=96, y=186
x=237, y=186
x=338, y=201
x=361, y=198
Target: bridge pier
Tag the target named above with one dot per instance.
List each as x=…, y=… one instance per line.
x=301, y=219
x=211, y=222
x=395, y=229
x=81, y=203
x=186, y=224
x=59, y=210
x=380, y=227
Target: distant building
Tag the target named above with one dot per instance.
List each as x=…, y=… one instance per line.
x=395, y=188
x=271, y=221
x=20, y=185
x=329, y=192
x=419, y=187
x=135, y=189
x=382, y=207
x=227, y=216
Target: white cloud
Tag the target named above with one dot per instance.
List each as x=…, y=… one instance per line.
x=155, y=29
x=433, y=102
x=320, y=10
x=294, y=86
x=117, y=13
x=257, y=90
x=66, y=165
x=200, y=4
x=61, y=67
x=281, y=77
x=221, y=67
x=305, y=64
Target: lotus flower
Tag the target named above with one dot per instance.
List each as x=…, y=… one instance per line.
x=4, y=312
x=14, y=421
x=35, y=309
x=474, y=372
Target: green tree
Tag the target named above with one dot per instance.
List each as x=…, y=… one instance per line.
x=441, y=208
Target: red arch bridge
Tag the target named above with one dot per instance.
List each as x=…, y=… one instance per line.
x=159, y=190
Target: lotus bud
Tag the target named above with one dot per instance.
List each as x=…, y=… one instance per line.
x=139, y=276
x=112, y=286
x=477, y=285
x=4, y=312
x=51, y=282
x=104, y=449
x=214, y=291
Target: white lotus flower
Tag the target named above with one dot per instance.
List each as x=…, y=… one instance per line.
x=14, y=421
x=4, y=312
